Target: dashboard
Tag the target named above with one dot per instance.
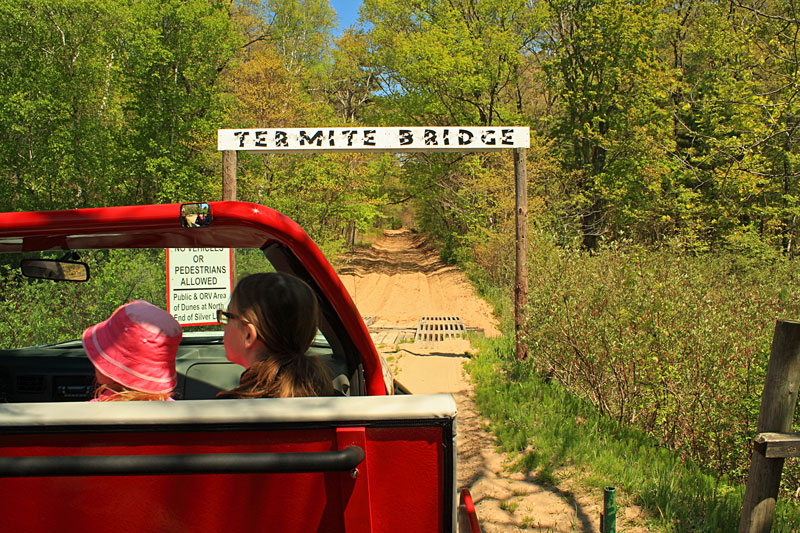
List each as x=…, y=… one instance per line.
x=62, y=372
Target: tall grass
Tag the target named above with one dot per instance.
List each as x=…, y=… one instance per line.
x=548, y=429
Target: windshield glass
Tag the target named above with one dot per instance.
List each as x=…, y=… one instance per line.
x=42, y=358
x=35, y=312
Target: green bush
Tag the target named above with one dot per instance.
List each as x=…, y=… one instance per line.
x=38, y=312
x=551, y=433
x=677, y=345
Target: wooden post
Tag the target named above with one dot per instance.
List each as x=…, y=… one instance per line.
x=521, y=274
x=229, y=175
x=229, y=192
x=777, y=410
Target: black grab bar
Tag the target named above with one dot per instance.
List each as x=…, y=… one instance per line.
x=203, y=463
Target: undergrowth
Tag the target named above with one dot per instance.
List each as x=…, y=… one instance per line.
x=550, y=430
x=644, y=364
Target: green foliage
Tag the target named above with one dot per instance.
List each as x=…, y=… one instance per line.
x=456, y=61
x=250, y=261
x=654, y=121
x=352, y=78
x=612, y=129
x=300, y=30
x=323, y=193
x=36, y=312
x=675, y=345
x=107, y=100
x=668, y=121
x=550, y=431
x=450, y=63
x=52, y=139
x=171, y=61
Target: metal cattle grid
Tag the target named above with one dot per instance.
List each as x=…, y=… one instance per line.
x=439, y=328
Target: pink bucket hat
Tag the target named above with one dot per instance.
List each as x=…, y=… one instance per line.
x=136, y=347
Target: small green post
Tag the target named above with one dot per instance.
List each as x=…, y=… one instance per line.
x=608, y=522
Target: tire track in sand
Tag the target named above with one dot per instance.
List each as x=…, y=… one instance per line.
x=399, y=279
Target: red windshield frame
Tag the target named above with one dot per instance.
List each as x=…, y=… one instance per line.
x=235, y=225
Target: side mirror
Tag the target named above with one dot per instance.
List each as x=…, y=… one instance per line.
x=55, y=270
x=196, y=215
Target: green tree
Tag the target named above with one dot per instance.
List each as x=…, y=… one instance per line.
x=611, y=127
x=173, y=58
x=109, y=101
x=741, y=118
x=450, y=62
x=351, y=80
x=300, y=30
x=60, y=109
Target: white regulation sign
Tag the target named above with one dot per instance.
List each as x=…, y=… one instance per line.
x=199, y=281
x=394, y=139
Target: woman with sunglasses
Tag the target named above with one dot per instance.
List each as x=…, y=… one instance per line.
x=269, y=325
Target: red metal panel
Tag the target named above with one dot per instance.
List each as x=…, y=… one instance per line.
x=399, y=482
x=224, y=502
x=356, y=486
x=408, y=488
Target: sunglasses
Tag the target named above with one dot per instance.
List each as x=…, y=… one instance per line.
x=223, y=317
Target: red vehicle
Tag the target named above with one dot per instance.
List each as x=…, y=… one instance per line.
x=365, y=460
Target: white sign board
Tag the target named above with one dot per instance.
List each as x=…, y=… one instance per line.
x=199, y=281
x=395, y=139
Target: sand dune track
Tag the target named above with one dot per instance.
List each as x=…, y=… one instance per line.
x=399, y=279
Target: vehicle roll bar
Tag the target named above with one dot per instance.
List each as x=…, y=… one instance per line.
x=203, y=463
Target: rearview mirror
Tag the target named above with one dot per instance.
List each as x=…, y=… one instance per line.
x=196, y=215
x=55, y=270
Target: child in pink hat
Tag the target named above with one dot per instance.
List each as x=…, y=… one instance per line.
x=133, y=353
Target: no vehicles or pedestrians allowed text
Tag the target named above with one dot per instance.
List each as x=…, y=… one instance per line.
x=199, y=281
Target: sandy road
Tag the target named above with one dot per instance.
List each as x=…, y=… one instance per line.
x=398, y=280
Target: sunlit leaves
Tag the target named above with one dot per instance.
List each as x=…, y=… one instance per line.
x=104, y=100
x=612, y=128
x=450, y=62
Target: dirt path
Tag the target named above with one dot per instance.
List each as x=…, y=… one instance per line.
x=397, y=281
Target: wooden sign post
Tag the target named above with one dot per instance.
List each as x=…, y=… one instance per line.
x=778, y=401
x=229, y=175
x=521, y=272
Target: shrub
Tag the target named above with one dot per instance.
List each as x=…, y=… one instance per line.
x=674, y=344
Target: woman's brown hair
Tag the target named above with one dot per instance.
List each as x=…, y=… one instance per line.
x=285, y=312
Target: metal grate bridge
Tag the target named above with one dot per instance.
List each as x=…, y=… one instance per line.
x=439, y=328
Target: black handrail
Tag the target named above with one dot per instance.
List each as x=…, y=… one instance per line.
x=203, y=463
